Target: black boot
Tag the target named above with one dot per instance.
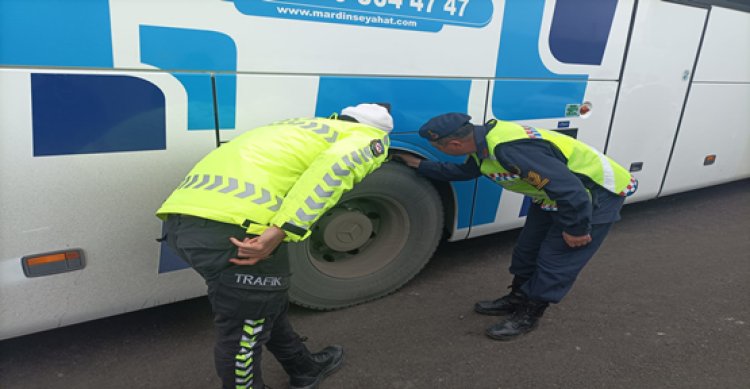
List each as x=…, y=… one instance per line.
x=524, y=319
x=307, y=370
x=505, y=305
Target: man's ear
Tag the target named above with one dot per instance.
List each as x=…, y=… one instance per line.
x=462, y=146
x=454, y=143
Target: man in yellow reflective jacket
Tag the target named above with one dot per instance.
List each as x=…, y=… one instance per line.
x=232, y=212
x=576, y=194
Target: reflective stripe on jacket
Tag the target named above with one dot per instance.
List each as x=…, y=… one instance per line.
x=285, y=174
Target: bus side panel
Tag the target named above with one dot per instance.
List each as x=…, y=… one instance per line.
x=87, y=158
x=652, y=93
x=717, y=118
x=715, y=124
x=725, y=56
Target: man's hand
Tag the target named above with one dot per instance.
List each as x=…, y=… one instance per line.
x=576, y=241
x=406, y=158
x=252, y=250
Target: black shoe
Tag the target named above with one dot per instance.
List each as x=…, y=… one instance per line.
x=505, y=305
x=524, y=320
x=325, y=363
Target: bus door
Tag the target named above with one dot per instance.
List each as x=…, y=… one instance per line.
x=659, y=63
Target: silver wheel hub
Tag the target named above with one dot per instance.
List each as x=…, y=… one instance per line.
x=358, y=237
x=346, y=230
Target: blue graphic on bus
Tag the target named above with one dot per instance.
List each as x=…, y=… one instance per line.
x=55, y=33
x=419, y=15
x=534, y=99
x=413, y=100
x=580, y=37
x=171, y=48
x=518, y=55
x=79, y=114
x=486, y=202
x=544, y=94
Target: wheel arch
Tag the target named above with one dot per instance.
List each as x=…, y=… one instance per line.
x=445, y=190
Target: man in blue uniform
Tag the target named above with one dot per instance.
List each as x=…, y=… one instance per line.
x=577, y=194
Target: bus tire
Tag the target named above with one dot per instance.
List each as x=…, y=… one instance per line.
x=377, y=238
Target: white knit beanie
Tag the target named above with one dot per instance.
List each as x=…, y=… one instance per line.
x=371, y=114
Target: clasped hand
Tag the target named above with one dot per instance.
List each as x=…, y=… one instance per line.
x=576, y=241
x=252, y=250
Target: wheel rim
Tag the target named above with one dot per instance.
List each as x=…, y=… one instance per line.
x=358, y=237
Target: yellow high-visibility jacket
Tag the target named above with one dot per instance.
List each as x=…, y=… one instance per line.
x=285, y=174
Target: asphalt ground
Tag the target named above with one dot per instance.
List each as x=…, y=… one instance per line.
x=665, y=303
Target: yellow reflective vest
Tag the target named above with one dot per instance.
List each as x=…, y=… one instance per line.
x=581, y=159
x=285, y=174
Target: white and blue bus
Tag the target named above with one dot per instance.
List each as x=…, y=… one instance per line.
x=106, y=104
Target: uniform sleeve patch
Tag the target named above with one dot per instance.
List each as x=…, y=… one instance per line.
x=377, y=148
x=536, y=180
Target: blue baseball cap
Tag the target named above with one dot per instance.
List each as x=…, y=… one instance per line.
x=443, y=125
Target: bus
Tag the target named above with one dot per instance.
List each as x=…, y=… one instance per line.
x=105, y=105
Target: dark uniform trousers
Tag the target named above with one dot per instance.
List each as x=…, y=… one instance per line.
x=250, y=303
x=543, y=265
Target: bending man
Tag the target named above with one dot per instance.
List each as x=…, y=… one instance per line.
x=577, y=194
x=237, y=205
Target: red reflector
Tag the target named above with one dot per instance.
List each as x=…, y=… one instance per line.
x=72, y=255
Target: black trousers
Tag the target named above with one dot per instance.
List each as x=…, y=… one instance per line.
x=250, y=303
